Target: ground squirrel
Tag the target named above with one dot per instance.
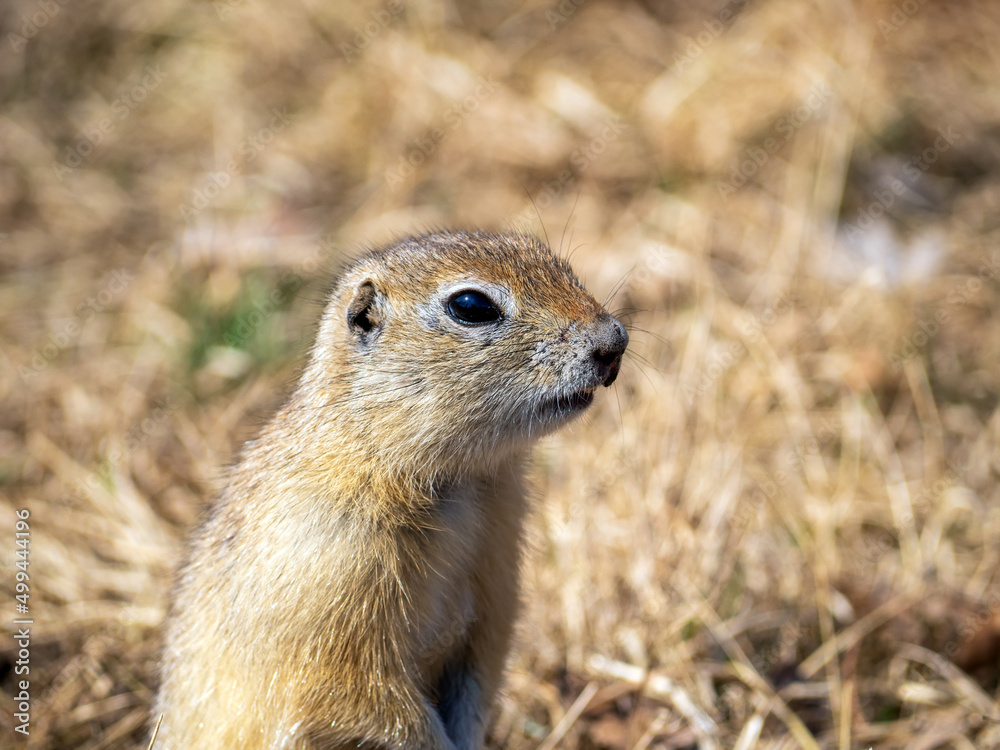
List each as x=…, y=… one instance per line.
x=355, y=584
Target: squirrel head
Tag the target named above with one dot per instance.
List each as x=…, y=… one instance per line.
x=454, y=348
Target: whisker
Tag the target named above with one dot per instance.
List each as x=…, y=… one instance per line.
x=659, y=337
x=539, y=215
x=568, y=220
x=618, y=287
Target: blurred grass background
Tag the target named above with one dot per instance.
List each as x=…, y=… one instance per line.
x=782, y=528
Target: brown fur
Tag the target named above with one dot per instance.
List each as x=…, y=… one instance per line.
x=356, y=583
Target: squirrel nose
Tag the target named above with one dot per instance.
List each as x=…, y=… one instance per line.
x=610, y=343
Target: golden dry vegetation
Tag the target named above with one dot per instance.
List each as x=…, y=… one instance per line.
x=780, y=529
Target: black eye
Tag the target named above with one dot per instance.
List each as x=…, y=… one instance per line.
x=472, y=308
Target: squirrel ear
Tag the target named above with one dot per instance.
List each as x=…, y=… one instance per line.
x=363, y=317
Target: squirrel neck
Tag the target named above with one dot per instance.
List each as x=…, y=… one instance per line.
x=326, y=449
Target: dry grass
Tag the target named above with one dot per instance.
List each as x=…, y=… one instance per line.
x=781, y=528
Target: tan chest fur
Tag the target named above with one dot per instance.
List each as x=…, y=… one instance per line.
x=453, y=549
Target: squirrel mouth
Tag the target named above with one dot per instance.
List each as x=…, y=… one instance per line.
x=568, y=404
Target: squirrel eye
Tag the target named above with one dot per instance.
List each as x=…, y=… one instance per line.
x=472, y=308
